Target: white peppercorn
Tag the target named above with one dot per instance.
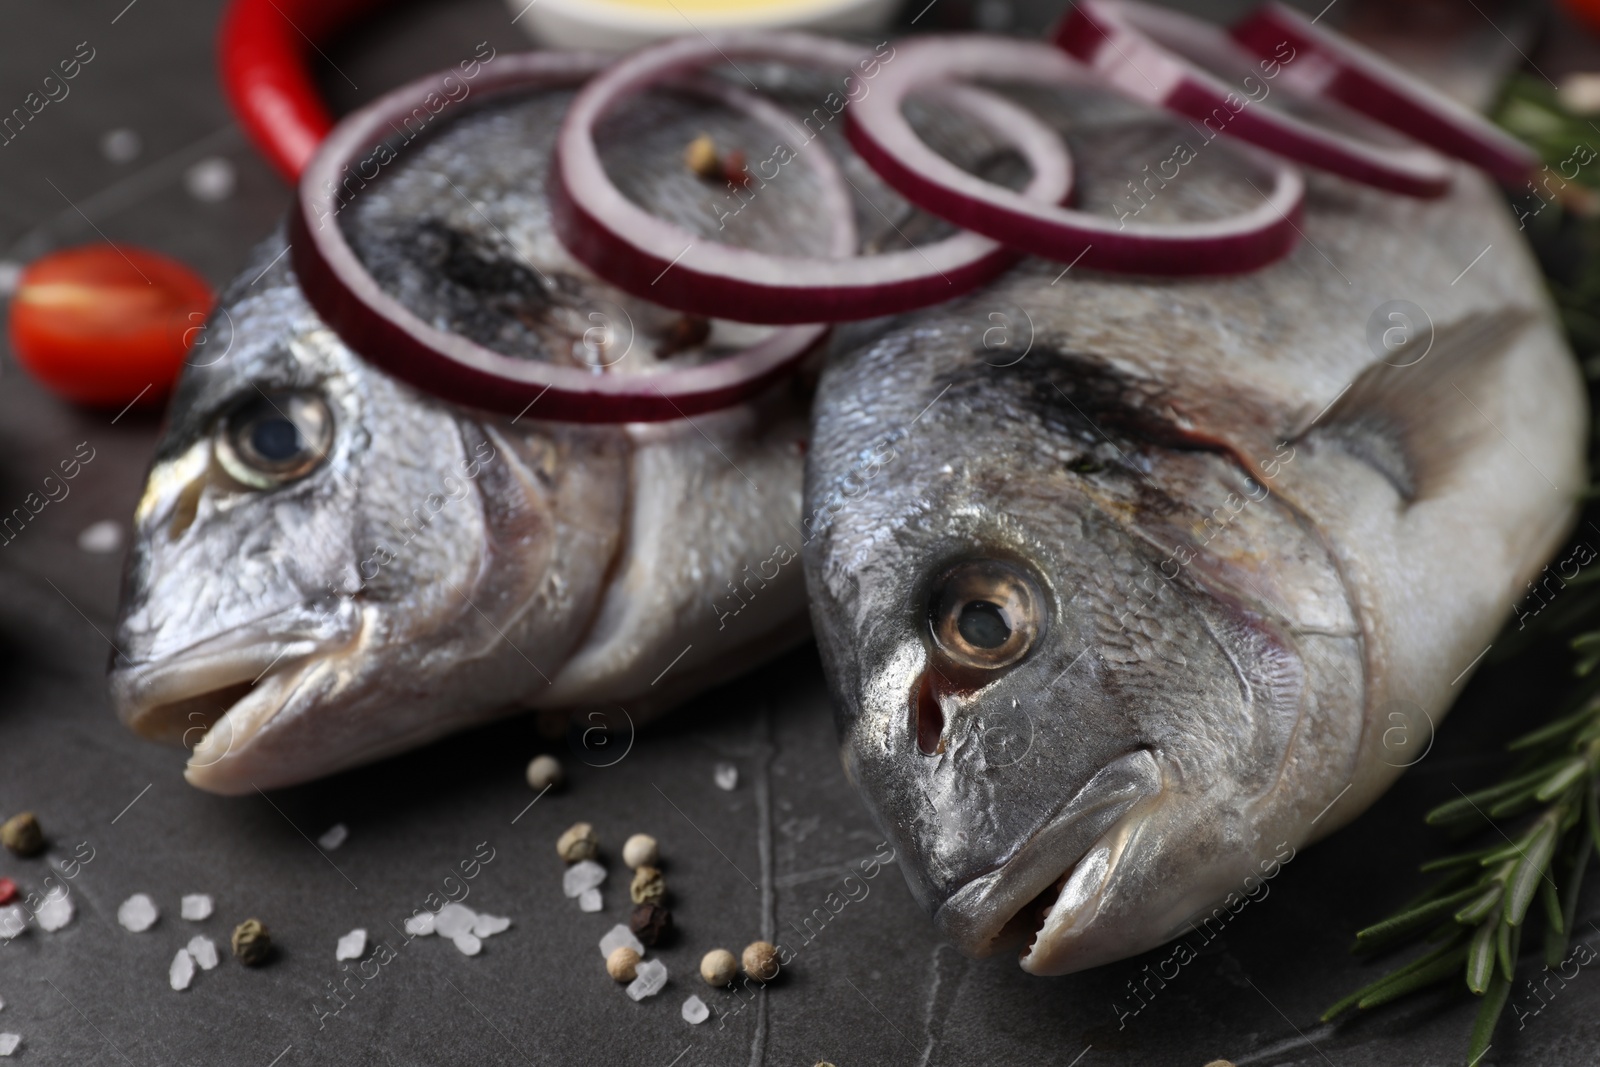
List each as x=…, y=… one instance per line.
x=718, y=967
x=623, y=964
x=544, y=772
x=641, y=850
x=701, y=157
x=761, y=961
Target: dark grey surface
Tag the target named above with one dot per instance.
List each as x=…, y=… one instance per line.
x=872, y=987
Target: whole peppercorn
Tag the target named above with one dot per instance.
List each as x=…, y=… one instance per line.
x=8, y=891
x=544, y=772
x=251, y=942
x=578, y=843
x=701, y=157
x=623, y=964
x=21, y=834
x=761, y=961
x=718, y=967
x=641, y=850
x=650, y=923
x=649, y=887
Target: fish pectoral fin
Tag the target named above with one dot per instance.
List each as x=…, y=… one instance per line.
x=1415, y=414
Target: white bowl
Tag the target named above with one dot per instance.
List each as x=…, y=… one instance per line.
x=613, y=25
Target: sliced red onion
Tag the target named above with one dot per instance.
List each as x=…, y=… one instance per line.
x=654, y=259
x=880, y=133
x=381, y=330
x=1166, y=58
x=1330, y=65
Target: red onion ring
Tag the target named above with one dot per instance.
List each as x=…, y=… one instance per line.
x=1155, y=56
x=262, y=49
x=654, y=259
x=1335, y=67
x=880, y=133
x=385, y=333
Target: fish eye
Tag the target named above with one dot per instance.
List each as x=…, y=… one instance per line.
x=275, y=438
x=986, y=614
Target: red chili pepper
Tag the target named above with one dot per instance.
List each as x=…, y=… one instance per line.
x=264, y=48
x=8, y=891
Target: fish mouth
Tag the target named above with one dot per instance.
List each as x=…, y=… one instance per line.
x=212, y=697
x=1058, y=871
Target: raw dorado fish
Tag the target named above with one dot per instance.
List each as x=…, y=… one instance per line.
x=1124, y=585
x=331, y=567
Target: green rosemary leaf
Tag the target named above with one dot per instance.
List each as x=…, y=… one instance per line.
x=1555, y=945
x=1525, y=879
x=1480, y=958
x=1592, y=810
x=1515, y=804
x=1413, y=918
x=1472, y=803
x=1511, y=850
x=1580, y=863
x=1481, y=908
x=1463, y=859
x=1555, y=730
x=1452, y=949
x=1569, y=773
x=1508, y=942
x=1552, y=905
x=1403, y=985
x=1494, y=1002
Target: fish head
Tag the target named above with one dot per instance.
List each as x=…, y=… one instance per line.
x=306, y=583
x=1047, y=726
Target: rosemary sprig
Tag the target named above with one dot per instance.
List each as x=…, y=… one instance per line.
x=1477, y=913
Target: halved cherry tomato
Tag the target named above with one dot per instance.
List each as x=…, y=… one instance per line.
x=103, y=324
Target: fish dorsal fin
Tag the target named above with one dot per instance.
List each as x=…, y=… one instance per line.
x=1411, y=416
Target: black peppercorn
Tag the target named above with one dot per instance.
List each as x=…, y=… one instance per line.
x=650, y=923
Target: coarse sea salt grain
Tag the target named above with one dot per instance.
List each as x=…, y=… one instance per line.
x=420, y=924
x=652, y=976
x=352, y=946
x=13, y=920
x=195, y=907
x=138, y=913
x=204, y=951
x=590, y=900
x=9, y=1043
x=726, y=776
x=695, y=1011
x=55, y=912
x=182, y=970
x=620, y=937
x=586, y=874
x=104, y=536
x=335, y=836
x=454, y=919
x=489, y=925
x=468, y=944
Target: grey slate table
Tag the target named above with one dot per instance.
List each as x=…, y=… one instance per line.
x=870, y=985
